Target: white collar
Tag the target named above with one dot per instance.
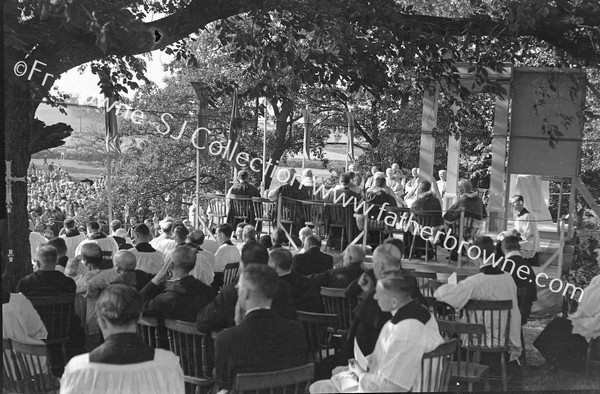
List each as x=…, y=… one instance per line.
x=257, y=308
x=512, y=253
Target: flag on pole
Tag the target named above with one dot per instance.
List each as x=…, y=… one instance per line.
x=350, y=117
x=235, y=127
x=113, y=144
x=307, y=124
x=201, y=90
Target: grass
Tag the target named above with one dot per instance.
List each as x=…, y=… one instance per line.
x=539, y=377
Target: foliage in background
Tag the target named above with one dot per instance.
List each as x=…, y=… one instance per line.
x=585, y=265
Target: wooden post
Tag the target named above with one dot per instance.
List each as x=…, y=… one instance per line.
x=497, y=185
x=428, y=123
x=452, y=167
x=201, y=90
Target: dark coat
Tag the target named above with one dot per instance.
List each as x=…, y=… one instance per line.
x=46, y=283
x=428, y=210
x=474, y=208
x=311, y=262
x=526, y=287
x=123, y=348
x=136, y=278
x=180, y=300
x=305, y=292
x=263, y=342
x=339, y=278
x=220, y=313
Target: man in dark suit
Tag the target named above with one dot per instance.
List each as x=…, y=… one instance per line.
x=341, y=277
x=522, y=274
x=428, y=212
x=261, y=341
x=46, y=281
x=125, y=263
x=220, y=313
x=313, y=261
x=181, y=296
x=305, y=291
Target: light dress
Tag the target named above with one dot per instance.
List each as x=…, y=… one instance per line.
x=160, y=376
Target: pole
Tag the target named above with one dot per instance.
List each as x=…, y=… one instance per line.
x=201, y=90
x=109, y=187
x=264, y=153
x=347, y=149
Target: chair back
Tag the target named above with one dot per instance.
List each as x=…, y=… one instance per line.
x=317, y=334
x=12, y=380
x=495, y=316
x=56, y=313
x=293, y=381
x=148, y=330
x=335, y=215
x=423, y=279
x=230, y=272
x=242, y=207
x=440, y=310
x=435, y=368
x=217, y=208
x=31, y=360
x=289, y=211
x=313, y=214
x=263, y=208
x=468, y=335
x=194, y=349
x=336, y=303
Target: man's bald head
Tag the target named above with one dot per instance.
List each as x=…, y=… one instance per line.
x=124, y=261
x=386, y=257
x=249, y=232
x=91, y=254
x=196, y=237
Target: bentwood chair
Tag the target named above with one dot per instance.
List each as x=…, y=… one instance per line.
x=12, y=380
x=465, y=367
x=230, y=273
x=313, y=215
x=31, y=360
x=56, y=314
x=152, y=332
x=317, y=335
x=423, y=279
x=495, y=316
x=593, y=356
x=217, y=209
x=336, y=303
x=263, y=211
x=336, y=218
x=435, y=368
x=293, y=381
x=195, y=351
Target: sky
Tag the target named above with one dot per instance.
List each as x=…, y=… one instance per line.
x=73, y=81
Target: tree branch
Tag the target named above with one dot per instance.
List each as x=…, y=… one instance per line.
x=46, y=137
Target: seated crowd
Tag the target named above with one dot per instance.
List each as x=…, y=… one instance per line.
x=252, y=320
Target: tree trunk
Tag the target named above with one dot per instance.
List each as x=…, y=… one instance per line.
x=282, y=116
x=19, y=111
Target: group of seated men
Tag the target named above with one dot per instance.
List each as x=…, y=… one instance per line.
x=178, y=277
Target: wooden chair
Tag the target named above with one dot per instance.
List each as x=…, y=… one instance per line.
x=313, y=215
x=423, y=279
x=593, y=356
x=435, y=368
x=466, y=368
x=195, y=351
x=467, y=228
x=289, y=213
x=427, y=220
x=56, y=314
x=230, y=273
x=149, y=329
x=293, y=381
x=336, y=217
x=31, y=360
x=317, y=335
x=495, y=316
x=12, y=380
x=263, y=209
x=336, y=303
x=241, y=210
x=217, y=209
x=440, y=310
